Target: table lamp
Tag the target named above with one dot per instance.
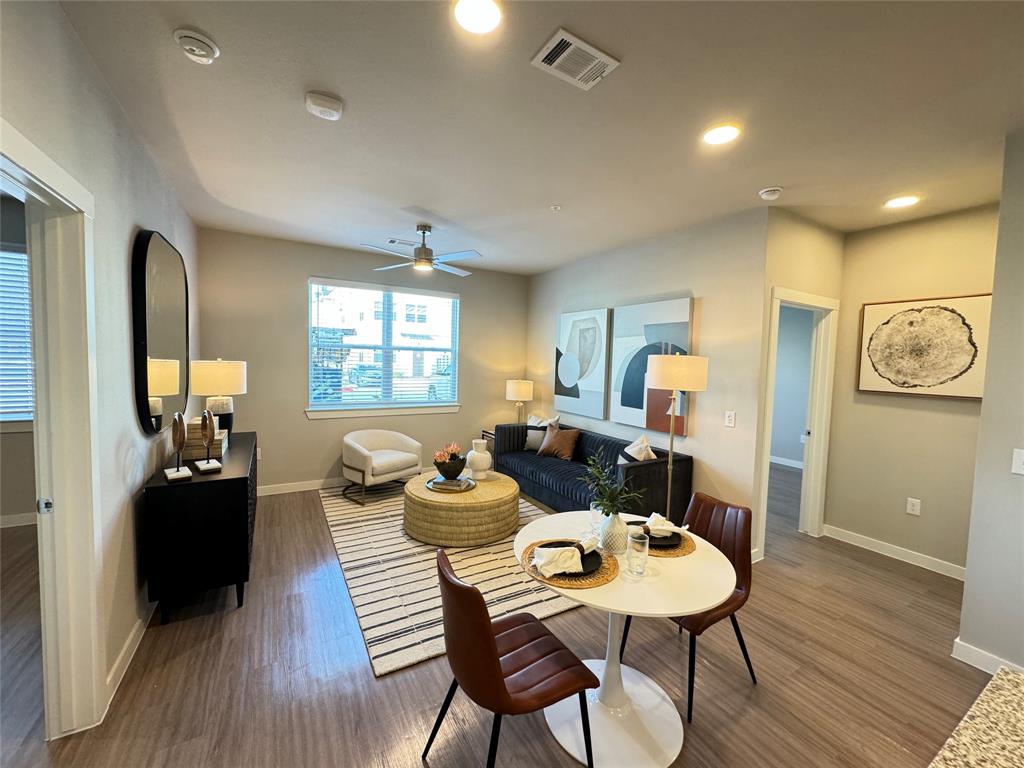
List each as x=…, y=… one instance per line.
x=686, y=373
x=519, y=390
x=218, y=380
x=161, y=381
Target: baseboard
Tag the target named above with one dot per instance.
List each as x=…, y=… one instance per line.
x=983, y=660
x=302, y=485
x=786, y=462
x=12, y=521
x=898, y=553
x=124, y=658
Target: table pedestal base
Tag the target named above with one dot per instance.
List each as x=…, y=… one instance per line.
x=646, y=732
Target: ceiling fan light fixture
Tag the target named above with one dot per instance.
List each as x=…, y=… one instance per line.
x=423, y=266
x=478, y=16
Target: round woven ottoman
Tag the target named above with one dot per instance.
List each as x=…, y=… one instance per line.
x=485, y=514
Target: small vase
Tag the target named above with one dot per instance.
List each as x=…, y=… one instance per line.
x=450, y=470
x=614, y=535
x=479, y=460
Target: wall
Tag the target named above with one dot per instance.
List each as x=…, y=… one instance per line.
x=253, y=302
x=886, y=447
x=992, y=621
x=51, y=91
x=721, y=265
x=792, y=383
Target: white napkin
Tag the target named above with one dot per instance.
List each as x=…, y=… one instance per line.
x=657, y=525
x=552, y=560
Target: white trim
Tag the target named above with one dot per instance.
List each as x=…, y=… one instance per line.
x=981, y=659
x=787, y=462
x=25, y=154
x=16, y=426
x=303, y=485
x=898, y=553
x=397, y=410
x=315, y=280
x=804, y=300
x=15, y=521
x=124, y=657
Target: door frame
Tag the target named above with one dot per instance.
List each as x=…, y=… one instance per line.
x=60, y=242
x=819, y=410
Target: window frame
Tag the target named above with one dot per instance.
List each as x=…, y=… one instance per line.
x=394, y=408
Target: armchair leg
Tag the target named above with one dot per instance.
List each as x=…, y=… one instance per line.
x=743, y=647
x=492, y=753
x=440, y=715
x=346, y=492
x=689, y=679
x=625, y=634
x=585, y=715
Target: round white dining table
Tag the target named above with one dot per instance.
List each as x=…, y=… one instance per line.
x=633, y=722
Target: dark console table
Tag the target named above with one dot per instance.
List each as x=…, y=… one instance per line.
x=197, y=534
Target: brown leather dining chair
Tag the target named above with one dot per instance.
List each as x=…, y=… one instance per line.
x=727, y=527
x=511, y=666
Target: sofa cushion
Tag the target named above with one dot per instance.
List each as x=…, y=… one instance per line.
x=385, y=461
x=602, y=446
x=559, y=442
x=557, y=475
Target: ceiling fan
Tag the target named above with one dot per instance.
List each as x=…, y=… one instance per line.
x=423, y=258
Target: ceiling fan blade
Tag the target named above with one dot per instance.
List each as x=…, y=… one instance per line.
x=457, y=256
x=386, y=250
x=393, y=266
x=400, y=241
x=451, y=270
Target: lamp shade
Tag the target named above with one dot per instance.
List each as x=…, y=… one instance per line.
x=162, y=377
x=519, y=390
x=218, y=377
x=687, y=373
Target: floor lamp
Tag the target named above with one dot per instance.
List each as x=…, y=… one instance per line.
x=676, y=373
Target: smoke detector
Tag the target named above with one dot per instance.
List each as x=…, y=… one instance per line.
x=568, y=58
x=324, y=105
x=771, y=194
x=197, y=46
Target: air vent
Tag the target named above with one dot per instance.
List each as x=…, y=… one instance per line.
x=568, y=58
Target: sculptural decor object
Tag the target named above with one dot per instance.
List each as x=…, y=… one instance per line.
x=208, y=429
x=179, y=433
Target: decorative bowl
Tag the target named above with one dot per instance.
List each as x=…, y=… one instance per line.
x=452, y=468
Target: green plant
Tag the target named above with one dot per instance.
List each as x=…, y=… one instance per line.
x=610, y=494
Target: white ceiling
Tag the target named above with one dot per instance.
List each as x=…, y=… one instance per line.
x=843, y=104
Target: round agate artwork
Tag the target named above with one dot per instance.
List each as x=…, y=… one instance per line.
x=922, y=347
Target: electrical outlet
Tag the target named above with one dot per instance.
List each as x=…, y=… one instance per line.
x=1017, y=465
x=730, y=418
x=259, y=454
x=913, y=506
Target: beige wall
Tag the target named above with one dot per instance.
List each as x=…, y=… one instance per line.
x=886, y=447
x=253, y=303
x=993, y=609
x=721, y=265
x=51, y=92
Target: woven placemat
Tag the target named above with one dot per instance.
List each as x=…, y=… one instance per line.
x=605, y=574
x=686, y=546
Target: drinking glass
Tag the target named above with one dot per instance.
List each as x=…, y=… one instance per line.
x=595, y=519
x=636, y=553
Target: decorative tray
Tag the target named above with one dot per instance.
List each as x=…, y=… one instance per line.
x=461, y=485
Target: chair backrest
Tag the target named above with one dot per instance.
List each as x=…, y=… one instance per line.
x=727, y=527
x=469, y=640
x=374, y=439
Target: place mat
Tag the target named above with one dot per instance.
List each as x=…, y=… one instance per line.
x=686, y=547
x=606, y=573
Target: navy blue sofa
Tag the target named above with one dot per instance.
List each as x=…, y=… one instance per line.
x=559, y=484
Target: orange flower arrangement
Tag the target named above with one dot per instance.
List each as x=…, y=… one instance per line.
x=450, y=452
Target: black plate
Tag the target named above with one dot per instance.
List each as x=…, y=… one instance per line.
x=664, y=542
x=591, y=560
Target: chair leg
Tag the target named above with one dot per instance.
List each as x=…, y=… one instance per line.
x=585, y=716
x=492, y=753
x=440, y=715
x=689, y=680
x=625, y=634
x=743, y=647
x=346, y=493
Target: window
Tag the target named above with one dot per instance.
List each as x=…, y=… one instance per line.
x=372, y=346
x=16, y=379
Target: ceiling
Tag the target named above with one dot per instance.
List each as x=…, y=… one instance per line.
x=843, y=104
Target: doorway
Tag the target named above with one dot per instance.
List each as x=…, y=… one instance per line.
x=790, y=475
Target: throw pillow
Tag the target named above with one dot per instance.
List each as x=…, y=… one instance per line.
x=559, y=442
x=536, y=428
x=638, y=450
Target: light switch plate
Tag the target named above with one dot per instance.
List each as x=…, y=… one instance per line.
x=1017, y=466
x=259, y=454
x=913, y=506
x=730, y=418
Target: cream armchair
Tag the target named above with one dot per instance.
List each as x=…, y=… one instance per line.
x=375, y=456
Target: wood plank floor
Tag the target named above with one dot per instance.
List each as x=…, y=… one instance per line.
x=851, y=651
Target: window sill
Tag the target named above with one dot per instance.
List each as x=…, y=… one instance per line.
x=314, y=414
x=11, y=427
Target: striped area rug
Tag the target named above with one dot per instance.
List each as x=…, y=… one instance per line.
x=393, y=579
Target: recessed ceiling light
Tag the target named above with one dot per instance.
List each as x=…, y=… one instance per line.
x=902, y=202
x=477, y=16
x=198, y=47
x=770, y=193
x=721, y=134
x=556, y=208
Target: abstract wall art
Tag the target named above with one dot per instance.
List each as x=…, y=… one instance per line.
x=581, y=362
x=639, y=331
x=925, y=347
